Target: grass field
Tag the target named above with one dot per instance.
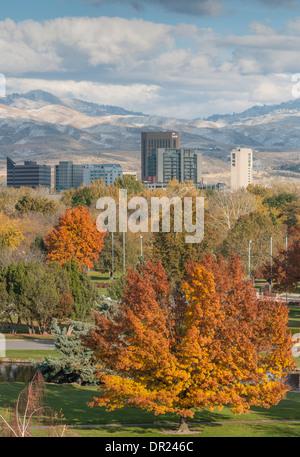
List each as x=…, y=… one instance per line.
x=294, y=316
x=72, y=401
x=31, y=354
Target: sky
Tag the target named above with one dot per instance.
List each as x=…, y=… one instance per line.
x=178, y=58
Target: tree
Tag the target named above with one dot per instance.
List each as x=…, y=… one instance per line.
x=227, y=208
x=83, y=291
x=30, y=411
x=130, y=183
x=82, y=197
x=75, y=363
x=285, y=269
x=206, y=349
x=35, y=292
x=29, y=203
x=10, y=235
x=284, y=206
x=75, y=237
x=258, y=228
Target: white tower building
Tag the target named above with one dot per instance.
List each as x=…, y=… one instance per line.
x=241, y=167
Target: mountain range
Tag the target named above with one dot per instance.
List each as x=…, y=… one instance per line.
x=41, y=126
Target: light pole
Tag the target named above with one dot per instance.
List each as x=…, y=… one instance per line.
x=141, y=238
x=112, y=255
x=249, y=266
x=271, y=264
x=124, y=247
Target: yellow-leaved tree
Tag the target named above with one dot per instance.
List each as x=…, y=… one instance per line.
x=214, y=345
x=10, y=234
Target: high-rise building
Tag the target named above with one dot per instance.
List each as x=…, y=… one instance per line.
x=108, y=172
x=155, y=140
x=241, y=167
x=29, y=175
x=166, y=164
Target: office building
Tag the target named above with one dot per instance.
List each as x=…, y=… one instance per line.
x=69, y=175
x=28, y=175
x=241, y=168
x=166, y=164
x=155, y=140
x=108, y=172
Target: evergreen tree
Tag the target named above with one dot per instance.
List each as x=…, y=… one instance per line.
x=85, y=294
x=75, y=363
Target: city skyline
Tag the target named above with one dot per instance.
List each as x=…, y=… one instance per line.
x=182, y=59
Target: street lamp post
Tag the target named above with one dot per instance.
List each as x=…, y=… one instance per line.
x=141, y=245
x=124, y=247
x=112, y=255
x=249, y=266
x=271, y=265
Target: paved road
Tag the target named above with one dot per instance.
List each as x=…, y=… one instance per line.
x=31, y=345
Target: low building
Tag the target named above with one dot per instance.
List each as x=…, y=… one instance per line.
x=108, y=172
x=31, y=174
x=72, y=176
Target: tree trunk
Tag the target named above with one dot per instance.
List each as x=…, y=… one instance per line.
x=183, y=427
x=70, y=329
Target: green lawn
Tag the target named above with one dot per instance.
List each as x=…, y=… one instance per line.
x=98, y=277
x=294, y=316
x=31, y=354
x=72, y=401
x=206, y=431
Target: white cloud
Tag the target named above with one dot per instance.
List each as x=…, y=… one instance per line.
x=178, y=70
x=132, y=96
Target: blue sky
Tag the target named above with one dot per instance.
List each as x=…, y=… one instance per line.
x=176, y=58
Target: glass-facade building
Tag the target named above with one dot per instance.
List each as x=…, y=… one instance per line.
x=166, y=164
x=30, y=174
x=108, y=172
x=155, y=140
x=69, y=175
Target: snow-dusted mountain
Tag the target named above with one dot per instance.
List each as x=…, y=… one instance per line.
x=42, y=126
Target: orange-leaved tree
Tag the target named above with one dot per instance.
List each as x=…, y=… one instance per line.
x=285, y=269
x=211, y=347
x=75, y=237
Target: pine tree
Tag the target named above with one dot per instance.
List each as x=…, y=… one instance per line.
x=75, y=363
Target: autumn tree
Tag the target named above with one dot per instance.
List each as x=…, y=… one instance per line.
x=226, y=208
x=10, y=234
x=75, y=237
x=259, y=228
x=210, y=347
x=284, y=271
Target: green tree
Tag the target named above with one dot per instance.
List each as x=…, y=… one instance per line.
x=29, y=203
x=82, y=196
x=84, y=293
x=133, y=186
x=259, y=229
x=75, y=363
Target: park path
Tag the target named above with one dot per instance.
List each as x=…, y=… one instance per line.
x=29, y=345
